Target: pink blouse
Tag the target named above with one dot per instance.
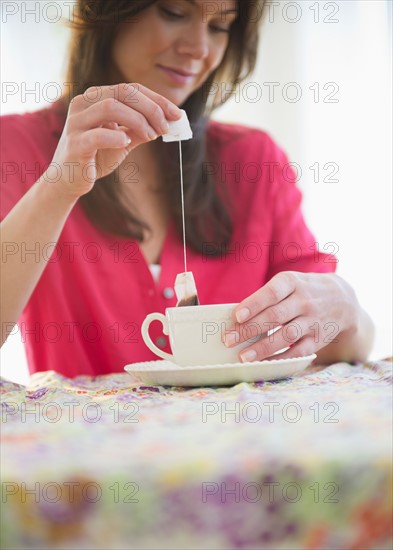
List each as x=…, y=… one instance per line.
x=85, y=314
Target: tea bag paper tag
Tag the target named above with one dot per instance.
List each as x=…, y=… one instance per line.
x=185, y=290
x=179, y=130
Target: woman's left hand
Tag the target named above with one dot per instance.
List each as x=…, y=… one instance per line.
x=311, y=309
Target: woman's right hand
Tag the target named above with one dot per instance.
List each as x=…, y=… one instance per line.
x=99, y=126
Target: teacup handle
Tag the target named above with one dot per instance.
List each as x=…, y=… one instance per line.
x=146, y=336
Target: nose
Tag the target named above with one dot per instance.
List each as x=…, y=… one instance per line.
x=194, y=42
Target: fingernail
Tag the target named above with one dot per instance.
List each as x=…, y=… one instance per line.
x=243, y=314
x=231, y=338
x=152, y=134
x=248, y=355
x=164, y=127
x=174, y=111
x=128, y=141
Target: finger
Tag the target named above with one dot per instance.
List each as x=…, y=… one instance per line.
x=302, y=348
x=109, y=111
x=129, y=94
x=172, y=112
x=276, y=290
x=102, y=138
x=111, y=126
x=152, y=106
x=281, y=339
x=271, y=318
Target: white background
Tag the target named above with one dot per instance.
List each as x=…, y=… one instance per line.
x=346, y=43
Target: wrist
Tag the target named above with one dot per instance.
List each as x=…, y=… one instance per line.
x=350, y=307
x=56, y=194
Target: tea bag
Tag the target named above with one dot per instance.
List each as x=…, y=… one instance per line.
x=179, y=130
x=185, y=289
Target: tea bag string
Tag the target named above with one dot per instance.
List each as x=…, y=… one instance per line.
x=182, y=207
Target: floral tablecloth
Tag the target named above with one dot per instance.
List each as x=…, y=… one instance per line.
x=107, y=462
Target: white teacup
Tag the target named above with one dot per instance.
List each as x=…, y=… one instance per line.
x=196, y=334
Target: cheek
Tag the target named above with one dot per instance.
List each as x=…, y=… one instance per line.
x=129, y=38
x=120, y=47
x=218, y=53
x=143, y=43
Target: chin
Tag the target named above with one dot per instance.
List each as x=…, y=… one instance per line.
x=177, y=97
x=175, y=94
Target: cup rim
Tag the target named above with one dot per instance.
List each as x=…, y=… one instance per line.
x=195, y=314
x=202, y=306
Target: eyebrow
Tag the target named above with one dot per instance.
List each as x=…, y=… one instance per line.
x=232, y=10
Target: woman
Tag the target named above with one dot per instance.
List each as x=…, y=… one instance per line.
x=91, y=202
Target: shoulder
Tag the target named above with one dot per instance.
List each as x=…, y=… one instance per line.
x=254, y=169
x=31, y=134
x=239, y=141
x=247, y=160
x=27, y=144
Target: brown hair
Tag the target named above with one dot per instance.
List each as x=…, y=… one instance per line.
x=208, y=211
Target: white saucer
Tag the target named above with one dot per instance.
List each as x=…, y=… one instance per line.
x=166, y=373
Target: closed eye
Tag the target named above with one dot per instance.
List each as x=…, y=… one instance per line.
x=173, y=15
x=221, y=29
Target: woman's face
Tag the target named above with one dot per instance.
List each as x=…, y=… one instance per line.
x=189, y=36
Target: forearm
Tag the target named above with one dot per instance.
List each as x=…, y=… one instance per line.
x=352, y=345
x=36, y=220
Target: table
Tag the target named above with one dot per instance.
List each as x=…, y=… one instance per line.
x=107, y=462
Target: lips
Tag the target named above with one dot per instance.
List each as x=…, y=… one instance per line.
x=181, y=72
x=178, y=77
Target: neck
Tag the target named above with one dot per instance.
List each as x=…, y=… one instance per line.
x=145, y=155
x=141, y=166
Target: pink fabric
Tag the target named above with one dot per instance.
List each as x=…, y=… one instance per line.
x=85, y=314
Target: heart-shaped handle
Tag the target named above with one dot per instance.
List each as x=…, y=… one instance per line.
x=146, y=336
